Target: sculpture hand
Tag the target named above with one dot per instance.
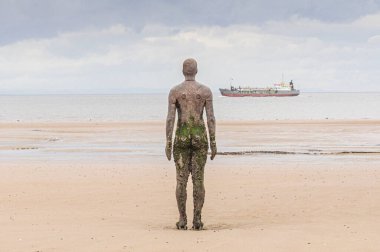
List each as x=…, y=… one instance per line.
x=213, y=150
x=168, y=150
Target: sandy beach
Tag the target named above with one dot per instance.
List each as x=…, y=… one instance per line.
x=277, y=186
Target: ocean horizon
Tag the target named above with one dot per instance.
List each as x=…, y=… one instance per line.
x=153, y=107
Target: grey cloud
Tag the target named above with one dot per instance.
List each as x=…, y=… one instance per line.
x=21, y=19
x=118, y=57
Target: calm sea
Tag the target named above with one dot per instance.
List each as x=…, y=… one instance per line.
x=153, y=107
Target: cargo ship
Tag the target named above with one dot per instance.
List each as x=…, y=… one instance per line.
x=280, y=89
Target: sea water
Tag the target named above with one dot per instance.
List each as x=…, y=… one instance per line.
x=153, y=107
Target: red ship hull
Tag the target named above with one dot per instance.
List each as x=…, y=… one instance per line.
x=259, y=95
x=258, y=92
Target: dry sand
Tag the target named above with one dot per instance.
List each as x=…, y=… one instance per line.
x=108, y=187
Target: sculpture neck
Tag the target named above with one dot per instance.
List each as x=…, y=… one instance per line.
x=189, y=78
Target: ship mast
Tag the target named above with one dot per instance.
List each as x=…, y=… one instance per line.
x=231, y=79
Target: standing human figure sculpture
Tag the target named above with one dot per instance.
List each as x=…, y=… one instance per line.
x=190, y=99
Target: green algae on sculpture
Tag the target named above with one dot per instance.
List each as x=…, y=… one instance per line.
x=190, y=99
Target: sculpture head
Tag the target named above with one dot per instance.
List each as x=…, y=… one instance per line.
x=190, y=69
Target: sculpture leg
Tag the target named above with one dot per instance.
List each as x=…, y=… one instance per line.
x=182, y=158
x=198, y=163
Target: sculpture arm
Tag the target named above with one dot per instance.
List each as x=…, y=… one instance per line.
x=211, y=124
x=170, y=123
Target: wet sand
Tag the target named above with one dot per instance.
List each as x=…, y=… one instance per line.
x=108, y=187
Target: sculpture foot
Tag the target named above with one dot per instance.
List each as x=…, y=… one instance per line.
x=197, y=225
x=181, y=225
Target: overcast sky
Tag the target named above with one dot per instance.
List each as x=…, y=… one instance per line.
x=105, y=46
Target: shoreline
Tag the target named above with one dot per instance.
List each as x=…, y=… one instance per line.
x=219, y=122
x=244, y=138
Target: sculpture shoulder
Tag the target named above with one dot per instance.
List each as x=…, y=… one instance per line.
x=205, y=91
x=199, y=88
x=174, y=92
